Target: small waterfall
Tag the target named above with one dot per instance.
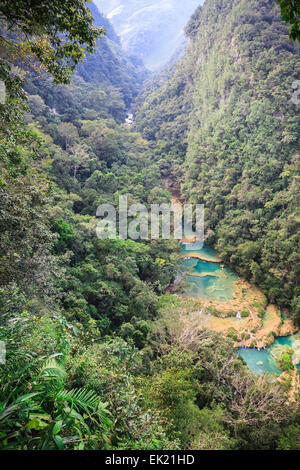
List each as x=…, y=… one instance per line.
x=129, y=120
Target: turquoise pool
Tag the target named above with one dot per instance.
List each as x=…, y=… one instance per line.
x=197, y=247
x=208, y=280
x=262, y=361
x=259, y=361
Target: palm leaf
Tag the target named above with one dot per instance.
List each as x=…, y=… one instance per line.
x=51, y=368
x=84, y=399
x=17, y=405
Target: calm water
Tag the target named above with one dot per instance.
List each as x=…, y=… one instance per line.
x=209, y=280
x=293, y=341
x=261, y=361
x=205, y=250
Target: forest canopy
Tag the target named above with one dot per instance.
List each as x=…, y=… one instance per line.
x=56, y=34
x=290, y=11
x=99, y=352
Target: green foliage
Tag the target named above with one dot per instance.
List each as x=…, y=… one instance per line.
x=229, y=102
x=26, y=239
x=290, y=438
x=110, y=369
x=245, y=313
x=56, y=34
x=97, y=357
x=285, y=361
x=232, y=334
x=37, y=411
x=60, y=417
x=290, y=12
x=200, y=384
x=213, y=435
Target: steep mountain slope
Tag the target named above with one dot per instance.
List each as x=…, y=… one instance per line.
x=229, y=104
x=110, y=65
x=107, y=82
x=151, y=29
x=100, y=20
x=95, y=356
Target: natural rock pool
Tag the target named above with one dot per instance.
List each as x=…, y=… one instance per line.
x=261, y=361
x=205, y=277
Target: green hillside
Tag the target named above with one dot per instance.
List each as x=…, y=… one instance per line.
x=227, y=113
x=99, y=348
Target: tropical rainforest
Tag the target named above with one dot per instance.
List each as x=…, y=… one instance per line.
x=97, y=355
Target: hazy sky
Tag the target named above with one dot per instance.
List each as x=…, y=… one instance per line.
x=152, y=29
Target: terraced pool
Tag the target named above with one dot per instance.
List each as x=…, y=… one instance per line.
x=205, y=277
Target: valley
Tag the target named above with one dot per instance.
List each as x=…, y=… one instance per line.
x=128, y=342
x=150, y=29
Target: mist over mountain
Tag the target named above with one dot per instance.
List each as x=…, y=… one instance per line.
x=110, y=66
x=151, y=29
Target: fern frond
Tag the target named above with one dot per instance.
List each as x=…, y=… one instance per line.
x=51, y=368
x=17, y=405
x=84, y=399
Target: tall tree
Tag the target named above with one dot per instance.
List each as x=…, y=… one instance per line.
x=290, y=12
x=55, y=34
